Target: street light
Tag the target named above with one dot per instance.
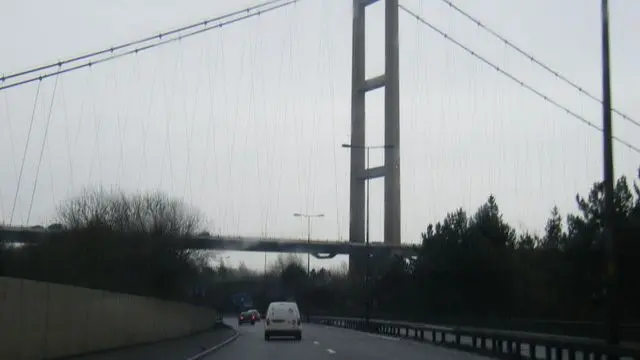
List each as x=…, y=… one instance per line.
x=366, y=277
x=308, y=216
x=609, y=206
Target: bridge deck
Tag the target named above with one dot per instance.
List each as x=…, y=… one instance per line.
x=243, y=243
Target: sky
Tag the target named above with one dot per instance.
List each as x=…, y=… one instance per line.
x=245, y=122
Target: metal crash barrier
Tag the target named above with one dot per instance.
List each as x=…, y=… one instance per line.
x=494, y=343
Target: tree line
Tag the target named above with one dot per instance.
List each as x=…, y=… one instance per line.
x=471, y=267
x=477, y=265
x=475, y=269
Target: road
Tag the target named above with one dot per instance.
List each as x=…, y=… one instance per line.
x=182, y=348
x=321, y=342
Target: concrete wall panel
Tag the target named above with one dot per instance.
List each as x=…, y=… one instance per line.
x=43, y=320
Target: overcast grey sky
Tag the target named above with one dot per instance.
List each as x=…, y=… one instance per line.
x=256, y=111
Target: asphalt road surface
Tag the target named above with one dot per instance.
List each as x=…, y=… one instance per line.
x=321, y=342
x=177, y=349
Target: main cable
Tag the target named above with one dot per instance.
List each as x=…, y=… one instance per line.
x=536, y=61
x=515, y=79
x=135, y=42
x=207, y=27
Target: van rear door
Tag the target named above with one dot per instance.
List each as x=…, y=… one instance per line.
x=284, y=314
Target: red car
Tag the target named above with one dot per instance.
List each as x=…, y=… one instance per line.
x=248, y=316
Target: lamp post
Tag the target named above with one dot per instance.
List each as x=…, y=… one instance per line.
x=308, y=217
x=368, y=249
x=609, y=216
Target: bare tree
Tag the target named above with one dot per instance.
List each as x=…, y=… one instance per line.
x=153, y=213
x=112, y=240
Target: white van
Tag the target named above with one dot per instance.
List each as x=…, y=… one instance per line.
x=282, y=319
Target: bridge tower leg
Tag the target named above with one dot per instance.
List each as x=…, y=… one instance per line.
x=391, y=169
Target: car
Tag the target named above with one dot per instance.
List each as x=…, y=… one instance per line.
x=248, y=316
x=256, y=314
x=282, y=319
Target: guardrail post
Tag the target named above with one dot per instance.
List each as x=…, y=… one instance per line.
x=532, y=351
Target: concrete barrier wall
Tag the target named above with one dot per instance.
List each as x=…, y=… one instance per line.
x=41, y=320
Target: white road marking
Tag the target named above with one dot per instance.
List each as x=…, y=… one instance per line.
x=331, y=351
x=316, y=343
x=383, y=337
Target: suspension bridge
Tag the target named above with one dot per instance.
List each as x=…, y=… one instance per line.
x=367, y=119
x=243, y=115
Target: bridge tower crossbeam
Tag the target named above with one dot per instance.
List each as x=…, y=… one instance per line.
x=391, y=169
